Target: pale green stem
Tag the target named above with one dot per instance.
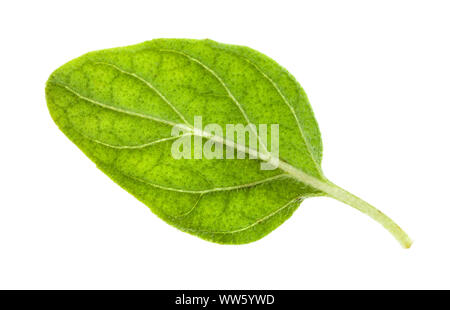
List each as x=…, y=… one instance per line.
x=342, y=195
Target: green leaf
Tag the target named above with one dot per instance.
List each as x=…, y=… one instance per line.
x=119, y=106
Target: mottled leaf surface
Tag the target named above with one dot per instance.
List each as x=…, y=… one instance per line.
x=119, y=106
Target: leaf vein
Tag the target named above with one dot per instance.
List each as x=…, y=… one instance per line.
x=291, y=108
x=257, y=222
x=138, y=146
x=150, y=85
x=211, y=190
x=112, y=107
x=224, y=85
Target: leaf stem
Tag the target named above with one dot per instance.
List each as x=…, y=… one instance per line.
x=336, y=192
x=344, y=196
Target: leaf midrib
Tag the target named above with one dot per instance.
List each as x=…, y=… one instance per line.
x=292, y=171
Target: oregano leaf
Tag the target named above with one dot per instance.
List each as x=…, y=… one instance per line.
x=122, y=106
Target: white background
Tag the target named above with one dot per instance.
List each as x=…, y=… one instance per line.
x=378, y=77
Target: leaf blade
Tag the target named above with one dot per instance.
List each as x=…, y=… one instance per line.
x=119, y=107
